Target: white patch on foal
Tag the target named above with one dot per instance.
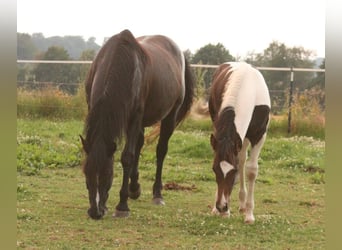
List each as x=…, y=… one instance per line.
x=223, y=202
x=226, y=168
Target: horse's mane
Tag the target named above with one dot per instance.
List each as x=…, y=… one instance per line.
x=115, y=70
x=226, y=134
x=233, y=79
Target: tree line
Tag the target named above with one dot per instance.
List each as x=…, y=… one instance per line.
x=277, y=54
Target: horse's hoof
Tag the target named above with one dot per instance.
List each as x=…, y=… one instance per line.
x=158, y=201
x=95, y=215
x=134, y=194
x=120, y=214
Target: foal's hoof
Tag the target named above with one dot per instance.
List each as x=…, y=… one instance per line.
x=158, y=201
x=249, y=222
x=120, y=214
x=249, y=219
x=242, y=210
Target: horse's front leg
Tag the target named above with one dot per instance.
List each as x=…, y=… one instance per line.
x=91, y=183
x=105, y=183
x=127, y=156
x=252, y=173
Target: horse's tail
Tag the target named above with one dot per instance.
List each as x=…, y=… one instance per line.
x=189, y=93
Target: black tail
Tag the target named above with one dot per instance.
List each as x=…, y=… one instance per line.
x=189, y=93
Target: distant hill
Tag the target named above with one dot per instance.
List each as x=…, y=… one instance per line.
x=28, y=47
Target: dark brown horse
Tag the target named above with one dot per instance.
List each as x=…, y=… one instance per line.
x=239, y=106
x=132, y=84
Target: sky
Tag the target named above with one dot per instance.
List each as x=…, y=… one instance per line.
x=243, y=26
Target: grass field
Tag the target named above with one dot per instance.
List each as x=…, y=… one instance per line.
x=52, y=198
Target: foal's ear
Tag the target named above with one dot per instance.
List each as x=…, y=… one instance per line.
x=213, y=141
x=84, y=144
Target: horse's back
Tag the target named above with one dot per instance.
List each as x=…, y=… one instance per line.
x=165, y=77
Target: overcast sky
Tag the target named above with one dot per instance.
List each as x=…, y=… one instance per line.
x=241, y=26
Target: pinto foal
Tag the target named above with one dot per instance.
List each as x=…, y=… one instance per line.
x=239, y=107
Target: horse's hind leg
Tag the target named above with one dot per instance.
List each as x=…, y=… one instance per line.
x=128, y=158
x=134, y=186
x=166, y=130
x=252, y=173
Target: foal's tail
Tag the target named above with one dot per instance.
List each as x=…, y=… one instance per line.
x=189, y=93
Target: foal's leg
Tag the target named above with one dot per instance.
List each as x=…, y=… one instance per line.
x=242, y=160
x=127, y=159
x=134, y=186
x=252, y=173
x=166, y=130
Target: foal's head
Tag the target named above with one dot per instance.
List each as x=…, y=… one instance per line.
x=226, y=143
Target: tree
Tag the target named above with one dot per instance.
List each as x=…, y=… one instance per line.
x=57, y=73
x=73, y=44
x=319, y=80
x=87, y=55
x=25, y=51
x=210, y=54
x=25, y=47
x=188, y=55
x=278, y=55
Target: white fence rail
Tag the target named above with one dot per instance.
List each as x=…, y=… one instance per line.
x=192, y=65
x=284, y=69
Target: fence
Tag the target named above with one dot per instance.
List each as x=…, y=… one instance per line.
x=274, y=93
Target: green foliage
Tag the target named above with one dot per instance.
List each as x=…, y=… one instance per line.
x=45, y=144
x=308, y=112
x=57, y=73
x=55, y=48
x=319, y=80
x=87, y=55
x=29, y=45
x=279, y=55
x=211, y=54
x=51, y=102
x=25, y=47
x=201, y=86
x=296, y=153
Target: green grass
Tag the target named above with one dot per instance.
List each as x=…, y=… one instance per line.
x=52, y=198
